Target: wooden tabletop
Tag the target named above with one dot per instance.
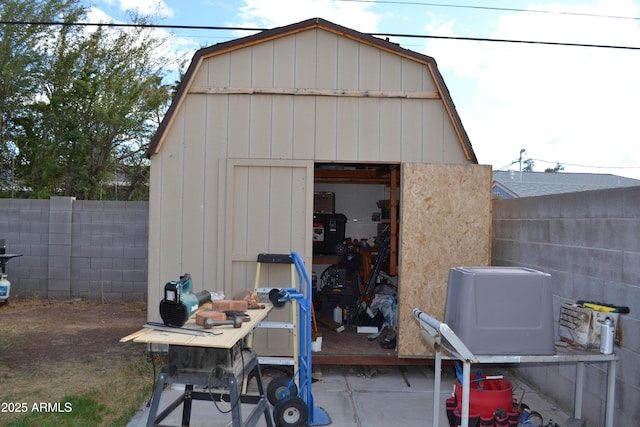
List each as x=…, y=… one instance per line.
x=221, y=337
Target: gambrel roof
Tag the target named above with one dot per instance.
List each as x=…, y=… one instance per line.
x=316, y=23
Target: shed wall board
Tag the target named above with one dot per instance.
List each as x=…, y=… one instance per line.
x=283, y=62
x=441, y=229
x=346, y=128
x=327, y=69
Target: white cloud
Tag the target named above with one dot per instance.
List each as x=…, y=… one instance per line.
x=274, y=13
x=570, y=104
x=173, y=52
x=147, y=7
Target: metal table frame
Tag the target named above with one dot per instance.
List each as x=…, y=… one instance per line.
x=440, y=337
x=229, y=377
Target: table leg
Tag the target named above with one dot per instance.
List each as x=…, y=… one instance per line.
x=611, y=392
x=234, y=399
x=437, y=376
x=577, y=406
x=155, y=400
x=186, y=405
x=466, y=391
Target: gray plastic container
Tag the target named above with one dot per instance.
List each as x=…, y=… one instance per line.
x=501, y=310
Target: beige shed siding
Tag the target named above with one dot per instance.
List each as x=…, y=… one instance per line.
x=268, y=210
x=189, y=218
x=346, y=128
x=329, y=128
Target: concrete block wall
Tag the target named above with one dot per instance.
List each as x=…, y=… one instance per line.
x=589, y=243
x=76, y=248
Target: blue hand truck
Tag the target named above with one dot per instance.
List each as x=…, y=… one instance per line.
x=293, y=407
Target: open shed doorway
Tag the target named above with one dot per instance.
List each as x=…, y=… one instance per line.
x=355, y=224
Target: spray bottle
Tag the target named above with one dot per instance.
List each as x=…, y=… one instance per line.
x=607, y=332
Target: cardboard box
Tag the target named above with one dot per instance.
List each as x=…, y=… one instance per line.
x=581, y=326
x=324, y=202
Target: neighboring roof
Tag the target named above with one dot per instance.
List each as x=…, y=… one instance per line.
x=275, y=33
x=510, y=184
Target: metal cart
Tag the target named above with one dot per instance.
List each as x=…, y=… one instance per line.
x=440, y=337
x=295, y=407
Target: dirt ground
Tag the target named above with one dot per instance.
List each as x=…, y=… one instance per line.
x=52, y=349
x=32, y=332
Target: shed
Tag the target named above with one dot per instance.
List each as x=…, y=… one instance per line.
x=261, y=123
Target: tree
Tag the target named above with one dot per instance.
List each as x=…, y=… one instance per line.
x=99, y=99
x=22, y=57
x=557, y=168
x=528, y=165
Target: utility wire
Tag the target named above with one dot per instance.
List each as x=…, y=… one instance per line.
x=498, y=9
x=570, y=164
x=423, y=36
x=587, y=166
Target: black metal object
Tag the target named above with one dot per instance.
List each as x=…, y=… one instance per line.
x=212, y=368
x=364, y=300
x=6, y=257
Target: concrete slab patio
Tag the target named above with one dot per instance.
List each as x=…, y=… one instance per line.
x=368, y=396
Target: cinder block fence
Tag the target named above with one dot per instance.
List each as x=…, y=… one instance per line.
x=76, y=248
x=589, y=243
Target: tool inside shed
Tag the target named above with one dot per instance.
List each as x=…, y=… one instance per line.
x=180, y=302
x=5, y=285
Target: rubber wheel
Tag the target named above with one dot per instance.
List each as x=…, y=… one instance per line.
x=534, y=420
x=274, y=296
x=291, y=412
x=281, y=388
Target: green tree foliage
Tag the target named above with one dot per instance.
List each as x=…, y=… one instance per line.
x=557, y=168
x=22, y=58
x=528, y=165
x=98, y=99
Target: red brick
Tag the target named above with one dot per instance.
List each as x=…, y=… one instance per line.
x=224, y=304
x=209, y=314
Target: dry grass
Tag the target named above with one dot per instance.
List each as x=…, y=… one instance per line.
x=56, y=351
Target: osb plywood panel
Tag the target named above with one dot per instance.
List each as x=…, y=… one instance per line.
x=446, y=222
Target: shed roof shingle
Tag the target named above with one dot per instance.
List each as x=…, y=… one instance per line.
x=543, y=183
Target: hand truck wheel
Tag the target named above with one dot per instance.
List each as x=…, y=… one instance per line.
x=281, y=388
x=291, y=412
x=274, y=296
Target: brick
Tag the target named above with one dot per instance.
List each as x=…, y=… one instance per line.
x=223, y=305
x=209, y=314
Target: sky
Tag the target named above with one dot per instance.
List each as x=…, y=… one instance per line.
x=573, y=105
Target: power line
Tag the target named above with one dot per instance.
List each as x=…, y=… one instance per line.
x=587, y=166
x=484, y=39
x=121, y=25
x=571, y=164
x=423, y=36
x=495, y=9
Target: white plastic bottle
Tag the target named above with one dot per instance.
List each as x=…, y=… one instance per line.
x=337, y=314
x=607, y=332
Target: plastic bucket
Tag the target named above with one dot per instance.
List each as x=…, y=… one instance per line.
x=494, y=394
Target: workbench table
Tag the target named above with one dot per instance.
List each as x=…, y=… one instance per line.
x=440, y=337
x=217, y=358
